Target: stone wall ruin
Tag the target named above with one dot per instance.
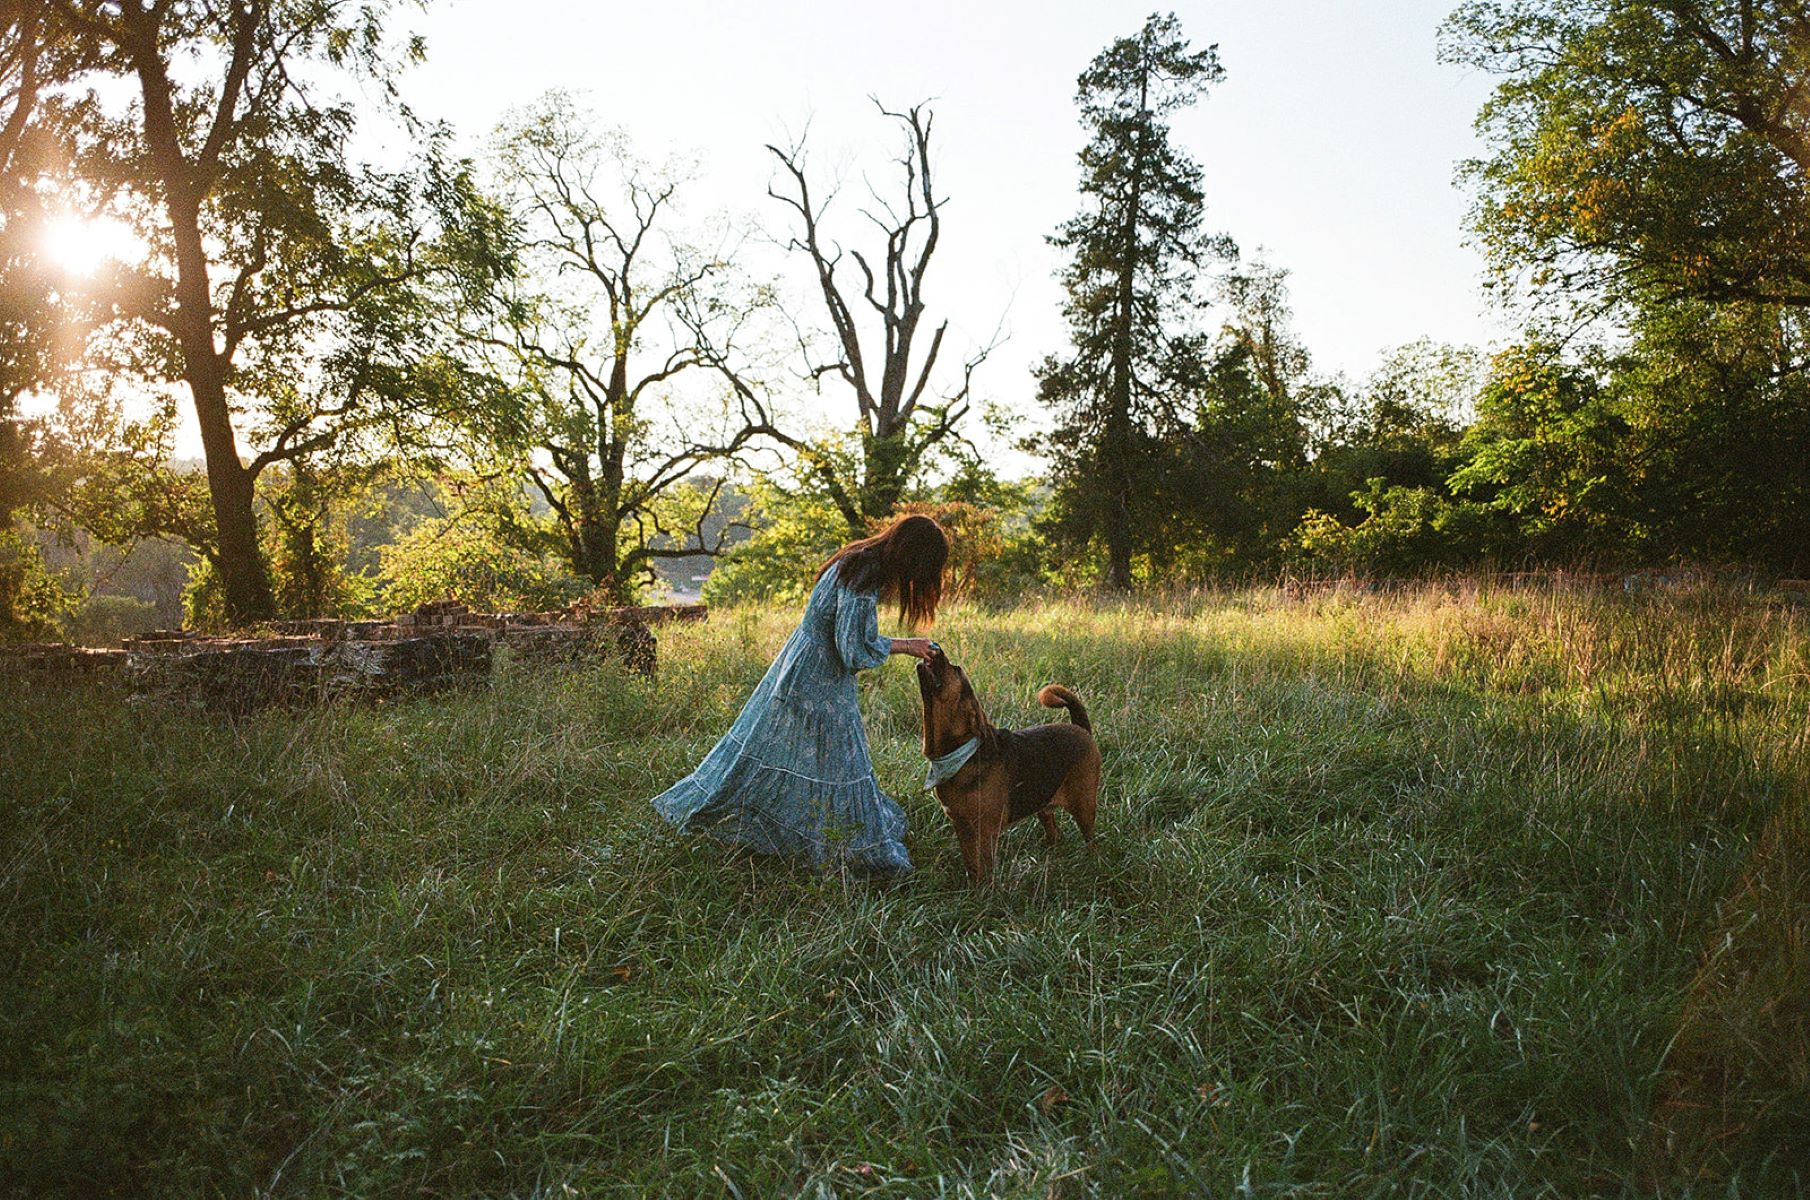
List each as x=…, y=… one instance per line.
x=441, y=644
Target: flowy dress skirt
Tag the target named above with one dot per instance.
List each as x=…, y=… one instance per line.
x=793, y=776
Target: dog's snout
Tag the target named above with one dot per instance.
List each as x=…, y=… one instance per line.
x=933, y=671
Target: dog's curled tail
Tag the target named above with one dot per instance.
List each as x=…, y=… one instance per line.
x=1054, y=695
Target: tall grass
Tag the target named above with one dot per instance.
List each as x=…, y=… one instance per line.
x=1454, y=892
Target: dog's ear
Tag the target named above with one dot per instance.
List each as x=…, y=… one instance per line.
x=983, y=728
x=972, y=717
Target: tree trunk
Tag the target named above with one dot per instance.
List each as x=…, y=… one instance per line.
x=598, y=536
x=1116, y=447
x=614, y=461
x=591, y=531
x=230, y=485
x=604, y=571
x=883, y=477
x=595, y=524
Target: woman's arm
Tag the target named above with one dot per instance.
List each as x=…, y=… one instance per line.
x=916, y=647
x=858, y=639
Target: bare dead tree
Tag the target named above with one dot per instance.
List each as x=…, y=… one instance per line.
x=887, y=365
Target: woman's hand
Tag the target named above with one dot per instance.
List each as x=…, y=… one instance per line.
x=916, y=647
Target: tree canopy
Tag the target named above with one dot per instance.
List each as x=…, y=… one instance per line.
x=1644, y=149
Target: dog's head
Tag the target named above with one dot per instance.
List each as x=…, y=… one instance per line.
x=952, y=713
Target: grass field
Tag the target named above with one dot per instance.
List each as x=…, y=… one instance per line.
x=1437, y=893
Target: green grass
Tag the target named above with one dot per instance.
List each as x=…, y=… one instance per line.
x=1431, y=894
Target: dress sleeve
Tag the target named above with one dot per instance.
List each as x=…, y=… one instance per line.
x=858, y=639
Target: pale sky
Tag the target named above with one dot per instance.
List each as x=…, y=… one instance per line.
x=1331, y=145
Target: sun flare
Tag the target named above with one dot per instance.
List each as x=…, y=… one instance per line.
x=81, y=246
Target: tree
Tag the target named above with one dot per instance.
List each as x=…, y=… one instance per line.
x=1644, y=149
x=1414, y=407
x=1549, y=451
x=278, y=283
x=1135, y=255
x=35, y=318
x=1651, y=161
x=1259, y=330
x=489, y=551
x=601, y=319
x=1717, y=402
x=1243, y=432
x=39, y=322
x=900, y=418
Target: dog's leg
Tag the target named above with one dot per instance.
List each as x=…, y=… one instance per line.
x=967, y=837
x=988, y=827
x=1081, y=791
x=1050, y=829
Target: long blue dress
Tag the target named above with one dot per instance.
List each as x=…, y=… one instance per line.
x=792, y=776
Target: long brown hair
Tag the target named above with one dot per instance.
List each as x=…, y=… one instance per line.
x=902, y=562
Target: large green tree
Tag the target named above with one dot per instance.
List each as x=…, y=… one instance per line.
x=1642, y=149
x=1650, y=163
x=1717, y=402
x=44, y=312
x=1135, y=254
x=278, y=284
x=1236, y=441
x=36, y=310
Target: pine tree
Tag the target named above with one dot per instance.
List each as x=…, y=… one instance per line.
x=1136, y=251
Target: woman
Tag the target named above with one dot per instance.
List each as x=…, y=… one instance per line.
x=792, y=776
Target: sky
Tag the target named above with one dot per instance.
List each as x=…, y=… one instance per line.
x=1331, y=146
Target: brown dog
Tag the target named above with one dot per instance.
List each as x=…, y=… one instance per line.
x=1006, y=774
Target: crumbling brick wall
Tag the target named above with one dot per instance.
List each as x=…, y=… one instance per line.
x=441, y=644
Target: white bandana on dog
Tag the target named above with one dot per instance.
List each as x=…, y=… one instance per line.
x=945, y=767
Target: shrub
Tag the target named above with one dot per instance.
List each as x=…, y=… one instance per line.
x=466, y=558
x=993, y=551
x=793, y=533
x=32, y=600
x=1406, y=531
x=103, y=619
